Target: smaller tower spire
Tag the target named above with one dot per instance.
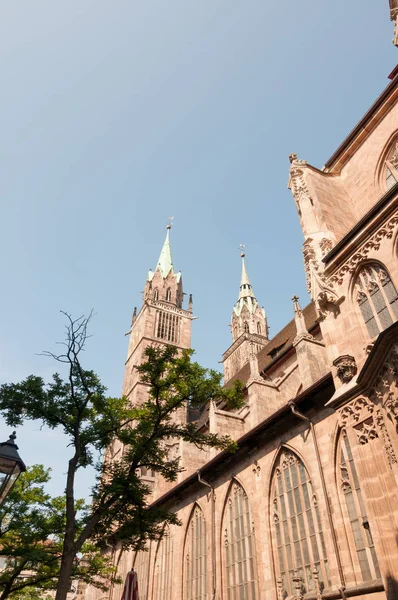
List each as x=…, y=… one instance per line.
x=247, y=315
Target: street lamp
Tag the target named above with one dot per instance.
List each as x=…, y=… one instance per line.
x=11, y=466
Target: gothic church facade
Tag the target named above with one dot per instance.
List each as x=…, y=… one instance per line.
x=307, y=508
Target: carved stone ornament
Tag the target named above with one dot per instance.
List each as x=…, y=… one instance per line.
x=299, y=187
x=346, y=367
x=373, y=243
x=325, y=245
x=394, y=17
x=385, y=389
x=355, y=412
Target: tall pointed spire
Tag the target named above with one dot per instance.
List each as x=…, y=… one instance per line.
x=246, y=295
x=165, y=262
x=245, y=289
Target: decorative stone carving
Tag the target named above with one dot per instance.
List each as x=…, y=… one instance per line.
x=298, y=585
x=356, y=411
x=328, y=302
x=325, y=245
x=389, y=448
x=373, y=243
x=280, y=589
x=366, y=431
x=317, y=584
x=346, y=367
x=385, y=389
x=256, y=469
x=394, y=17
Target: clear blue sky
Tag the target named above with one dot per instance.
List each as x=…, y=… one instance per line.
x=116, y=115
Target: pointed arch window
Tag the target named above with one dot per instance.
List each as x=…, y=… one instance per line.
x=141, y=566
x=156, y=294
x=357, y=516
x=259, y=327
x=168, y=295
x=391, y=166
x=246, y=327
x=239, y=546
x=298, y=540
x=377, y=298
x=195, y=555
x=163, y=571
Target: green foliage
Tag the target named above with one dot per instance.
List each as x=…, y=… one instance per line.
x=32, y=528
x=92, y=421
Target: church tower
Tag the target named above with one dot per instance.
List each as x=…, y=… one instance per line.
x=249, y=328
x=161, y=319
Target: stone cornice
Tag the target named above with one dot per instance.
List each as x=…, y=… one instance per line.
x=251, y=337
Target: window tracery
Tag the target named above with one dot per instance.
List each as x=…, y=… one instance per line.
x=239, y=546
x=377, y=298
x=391, y=166
x=163, y=570
x=195, y=556
x=156, y=294
x=298, y=540
x=168, y=295
x=351, y=490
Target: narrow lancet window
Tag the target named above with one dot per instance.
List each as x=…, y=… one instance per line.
x=195, y=558
x=360, y=528
x=298, y=540
x=141, y=566
x=163, y=575
x=239, y=547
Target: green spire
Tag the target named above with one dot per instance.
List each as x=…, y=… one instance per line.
x=165, y=262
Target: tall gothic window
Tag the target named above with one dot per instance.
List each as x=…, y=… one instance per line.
x=168, y=295
x=258, y=327
x=239, y=547
x=391, y=166
x=195, y=555
x=163, y=574
x=156, y=294
x=141, y=567
x=298, y=540
x=246, y=327
x=357, y=516
x=377, y=298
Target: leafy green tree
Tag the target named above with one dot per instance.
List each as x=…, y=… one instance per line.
x=32, y=526
x=92, y=421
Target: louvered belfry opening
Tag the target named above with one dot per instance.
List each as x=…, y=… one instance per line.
x=167, y=326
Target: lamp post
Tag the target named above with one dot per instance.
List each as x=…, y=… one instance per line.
x=11, y=466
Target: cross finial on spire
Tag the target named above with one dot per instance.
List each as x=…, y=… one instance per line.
x=242, y=250
x=170, y=222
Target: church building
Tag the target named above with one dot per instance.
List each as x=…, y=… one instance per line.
x=307, y=508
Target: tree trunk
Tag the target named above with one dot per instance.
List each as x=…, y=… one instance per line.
x=65, y=574
x=69, y=548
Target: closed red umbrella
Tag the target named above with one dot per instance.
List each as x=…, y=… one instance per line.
x=130, y=591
